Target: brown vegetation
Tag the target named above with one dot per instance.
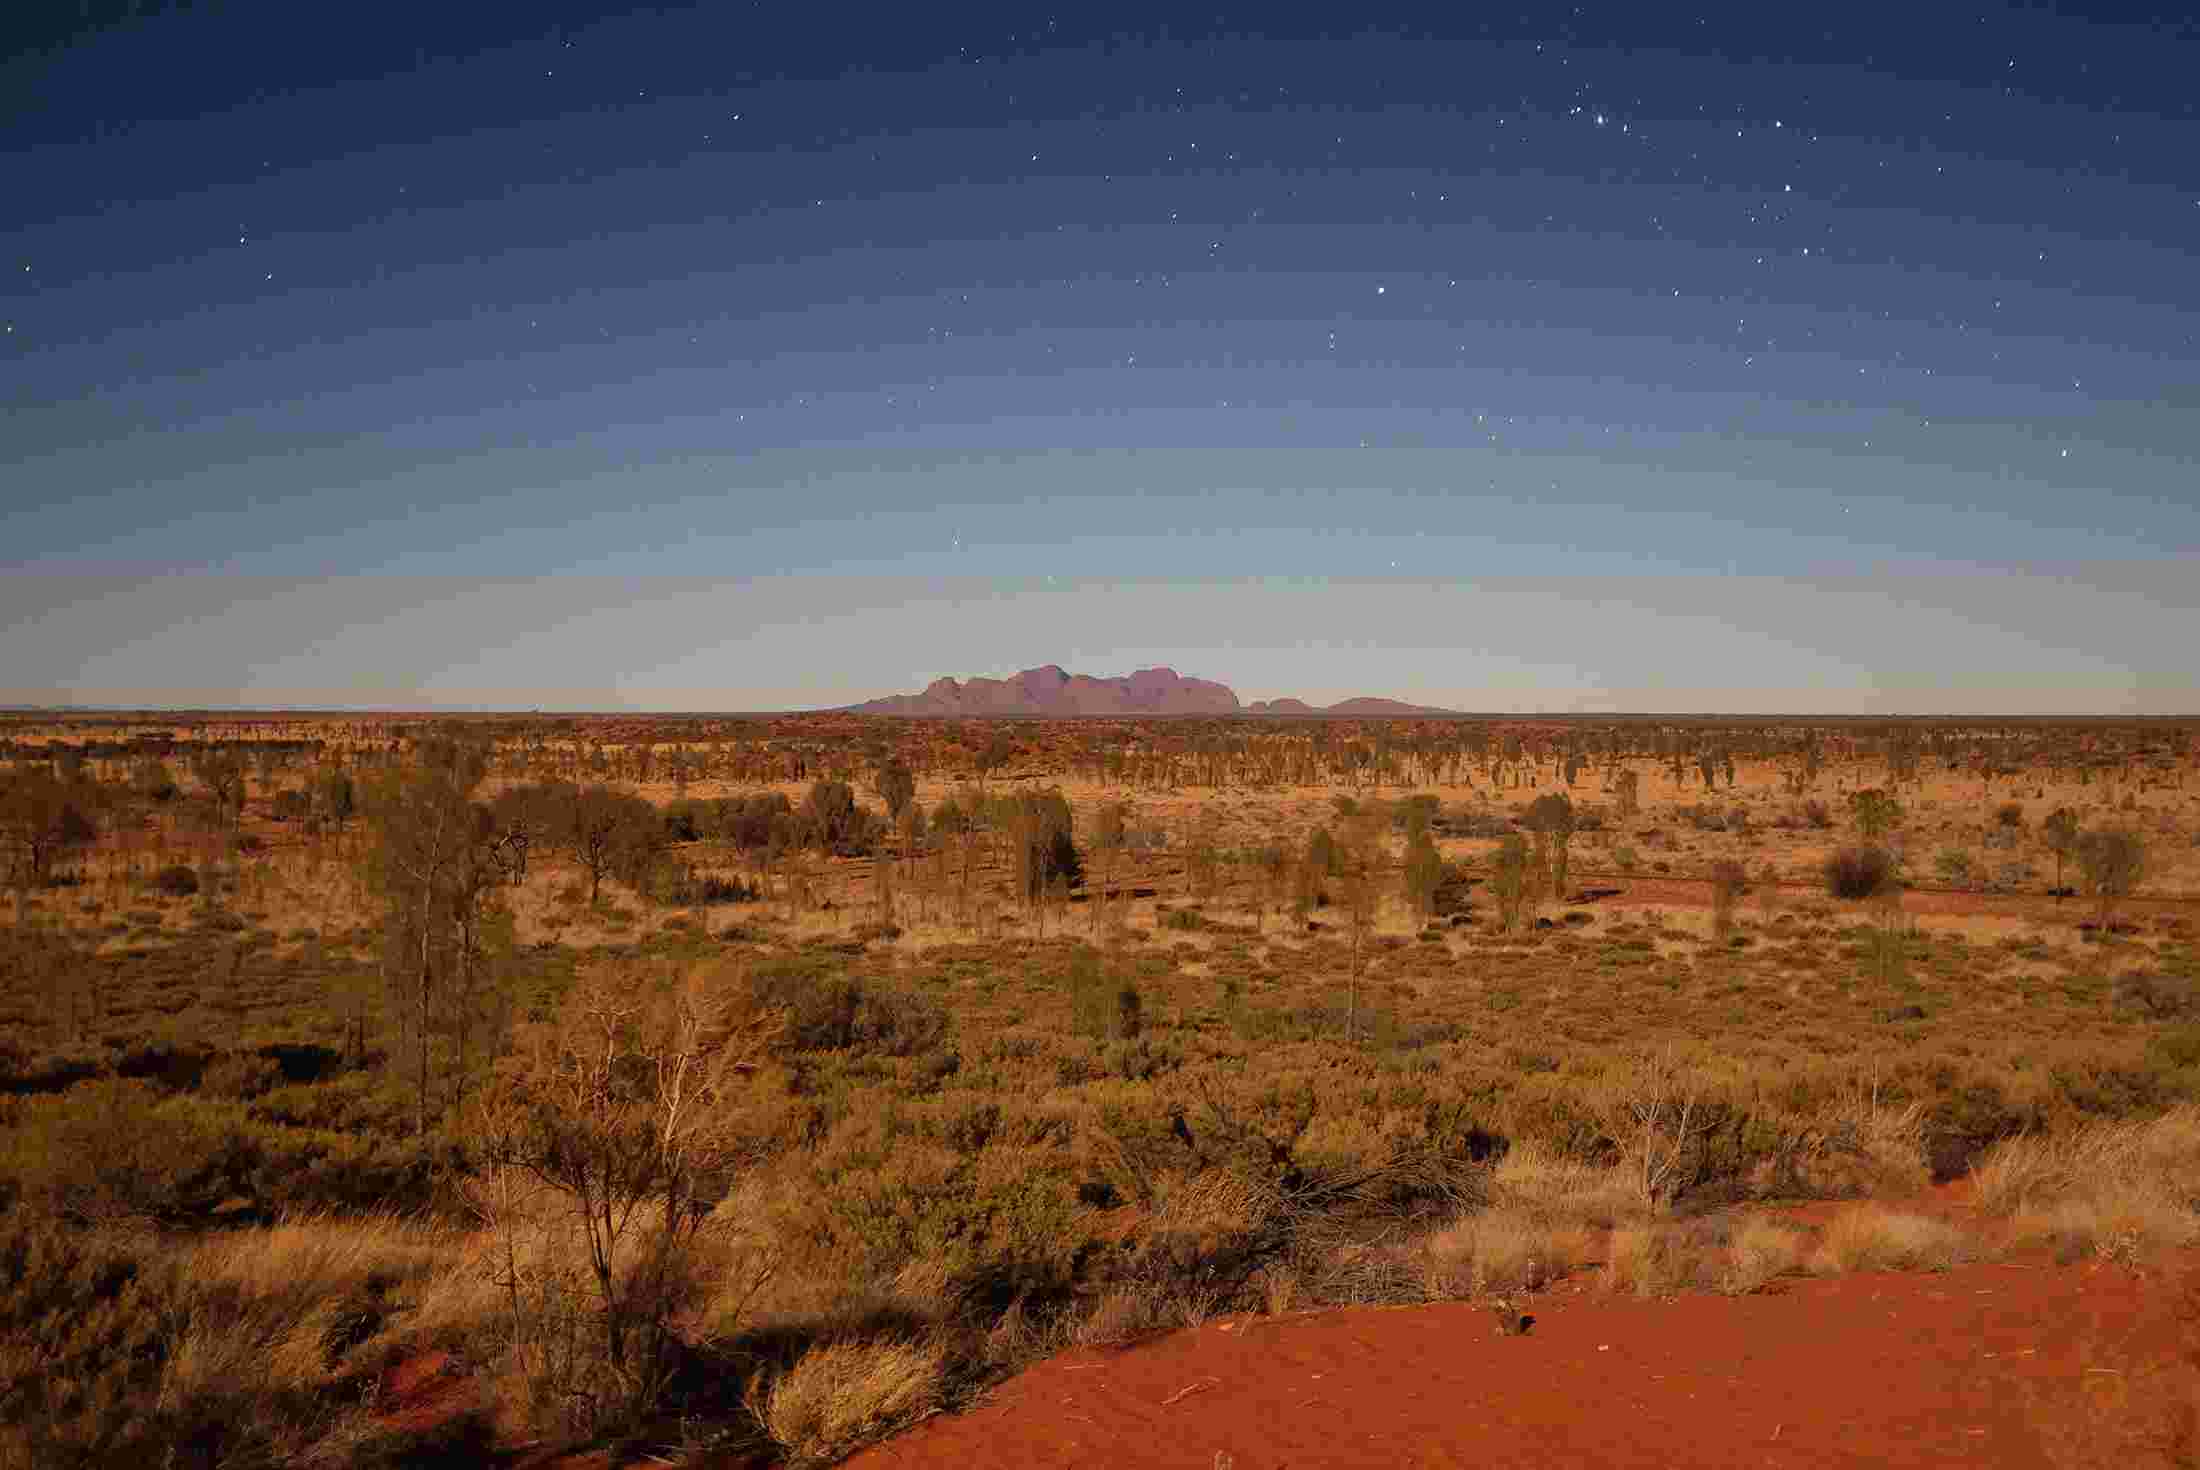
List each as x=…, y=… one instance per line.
x=680, y=1093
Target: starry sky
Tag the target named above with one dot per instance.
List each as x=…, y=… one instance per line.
x=1773, y=358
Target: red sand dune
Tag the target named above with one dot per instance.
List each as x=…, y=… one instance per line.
x=1992, y=1365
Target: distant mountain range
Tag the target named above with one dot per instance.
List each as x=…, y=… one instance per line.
x=1050, y=691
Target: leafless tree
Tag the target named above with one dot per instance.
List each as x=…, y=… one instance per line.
x=625, y=1107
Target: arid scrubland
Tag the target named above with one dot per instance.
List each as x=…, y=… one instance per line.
x=761, y=1085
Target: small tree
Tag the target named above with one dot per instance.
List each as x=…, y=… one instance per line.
x=1729, y=880
x=1509, y=879
x=909, y=824
x=608, y=832
x=1108, y=833
x=40, y=817
x=334, y=797
x=1361, y=893
x=624, y=1107
x=1551, y=818
x=221, y=771
x=1041, y=846
x=2060, y=832
x=1627, y=790
x=896, y=787
x=1321, y=853
x=1424, y=874
x=1202, y=859
x=2111, y=860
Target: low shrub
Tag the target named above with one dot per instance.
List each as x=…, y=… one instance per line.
x=1858, y=872
x=177, y=880
x=1761, y=1251
x=1871, y=1237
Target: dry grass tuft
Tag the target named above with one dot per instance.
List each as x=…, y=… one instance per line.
x=1873, y=1238
x=1641, y=1259
x=1762, y=1251
x=1498, y=1250
x=837, y=1395
x=2118, y=1190
x=1537, y=1176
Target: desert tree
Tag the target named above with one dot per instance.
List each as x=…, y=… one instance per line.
x=1202, y=861
x=832, y=822
x=909, y=824
x=1655, y=1109
x=2059, y=831
x=1322, y=855
x=608, y=832
x=221, y=771
x=1360, y=895
x=2111, y=860
x=997, y=752
x=151, y=780
x=1551, y=818
x=1423, y=873
x=895, y=786
x=1109, y=831
x=1627, y=791
x=421, y=822
x=1042, y=849
x=626, y=1108
x=1509, y=876
x=1729, y=880
x=335, y=798
x=41, y=816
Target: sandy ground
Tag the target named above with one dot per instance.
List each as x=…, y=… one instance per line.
x=1990, y=1365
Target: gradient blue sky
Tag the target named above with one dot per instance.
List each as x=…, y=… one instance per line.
x=1773, y=359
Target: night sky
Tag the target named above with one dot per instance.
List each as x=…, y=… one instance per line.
x=1787, y=358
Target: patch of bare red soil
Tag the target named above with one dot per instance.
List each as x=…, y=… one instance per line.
x=422, y=1392
x=1992, y=1365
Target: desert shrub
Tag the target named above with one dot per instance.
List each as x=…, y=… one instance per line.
x=240, y=1076
x=828, y=1012
x=1761, y=1251
x=1499, y=1249
x=1729, y=881
x=684, y=888
x=1870, y=1237
x=1816, y=814
x=1954, y=866
x=1185, y=920
x=1704, y=816
x=1858, y=872
x=839, y=1394
x=113, y=1149
x=1646, y=1259
x=1482, y=822
x=1101, y=1004
x=177, y=880
x=2009, y=814
x=2158, y=995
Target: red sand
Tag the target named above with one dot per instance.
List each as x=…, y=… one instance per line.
x=1994, y=1365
